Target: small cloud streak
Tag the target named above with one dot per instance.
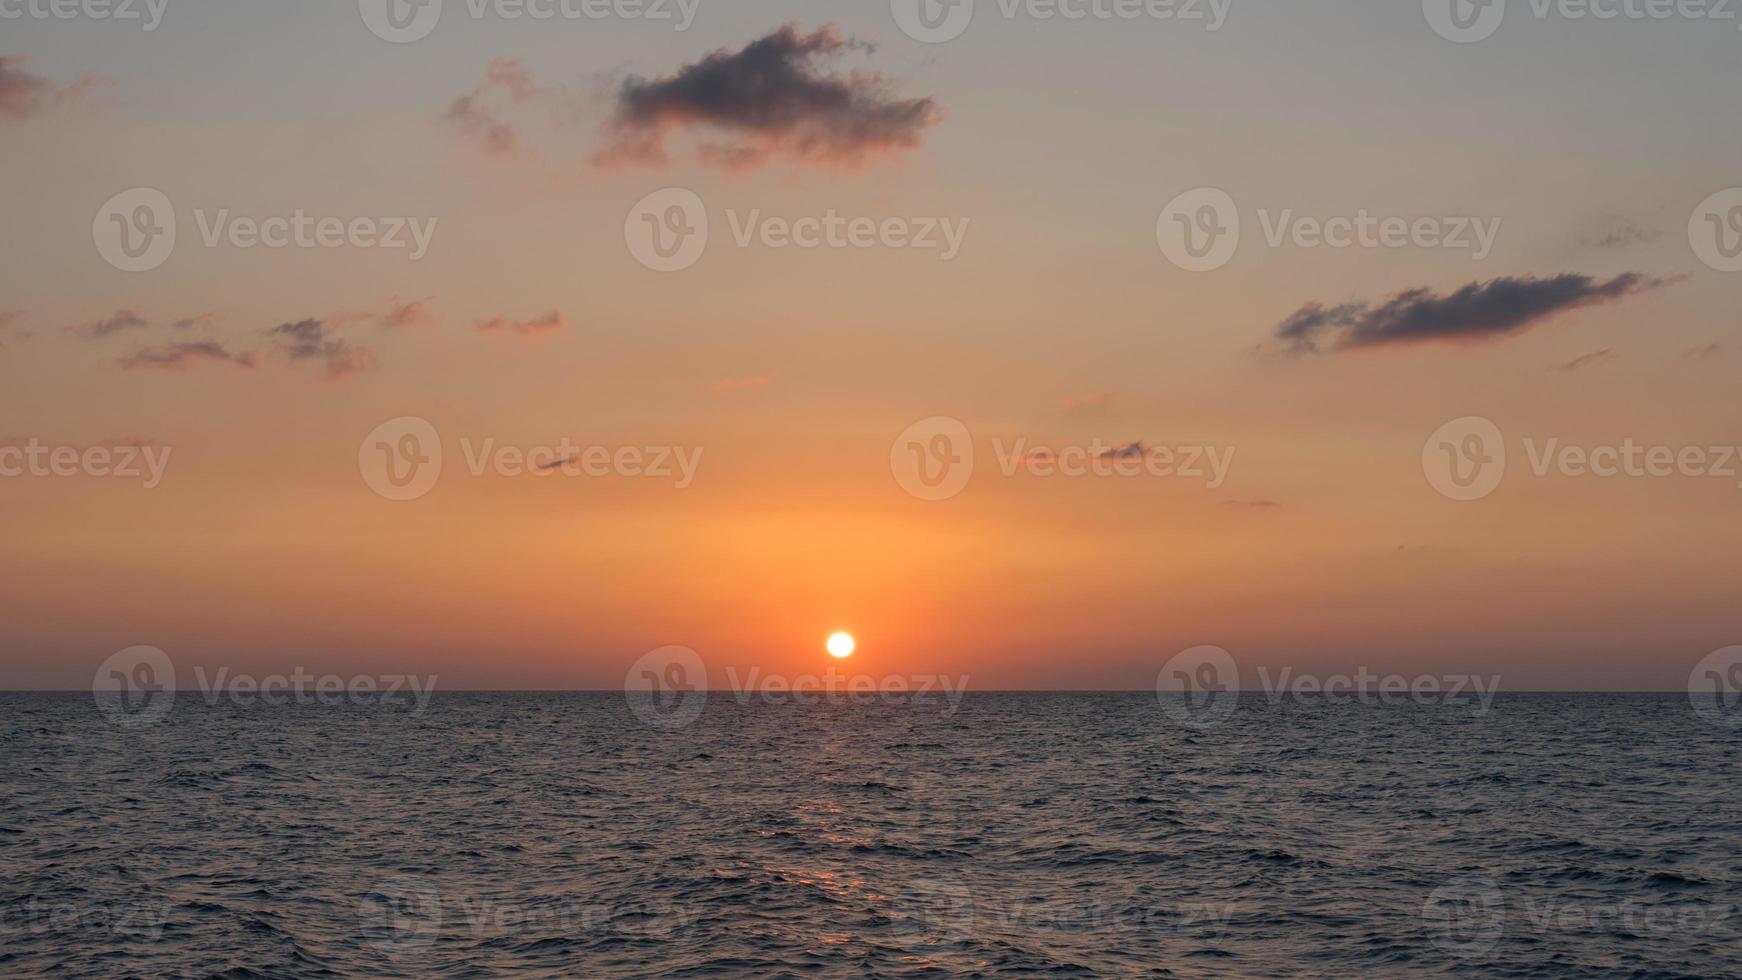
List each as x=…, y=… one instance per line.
x=1611, y=232
x=1705, y=353
x=549, y=323
x=1586, y=360
x=122, y=321
x=1479, y=312
x=182, y=355
x=774, y=99
x=731, y=385
x=1090, y=403
x=25, y=96
x=408, y=313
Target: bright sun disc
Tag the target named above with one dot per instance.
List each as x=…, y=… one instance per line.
x=841, y=645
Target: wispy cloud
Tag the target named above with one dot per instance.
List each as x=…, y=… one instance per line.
x=1586, y=360
x=24, y=95
x=478, y=115
x=408, y=313
x=1704, y=353
x=313, y=341
x=1609, y=232
x=181, y=355
x=549, y=323
x=120, y=322
x=774, y=99
x=1480, y=311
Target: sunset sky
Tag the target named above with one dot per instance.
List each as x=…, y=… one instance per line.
x=794, y=371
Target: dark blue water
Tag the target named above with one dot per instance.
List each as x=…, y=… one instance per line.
x=1024, y=835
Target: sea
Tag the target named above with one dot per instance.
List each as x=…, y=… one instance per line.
x=988, y=835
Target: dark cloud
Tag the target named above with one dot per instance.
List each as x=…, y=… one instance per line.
x=1614, y=231
x=773, y=99
x=184, y=354
x=312, y=341
x=1586, y=360
x=1704, y=353
x=123, y=320
x=1131, y=450
x=1480, y=311
x=24, y=95
x=549, y=323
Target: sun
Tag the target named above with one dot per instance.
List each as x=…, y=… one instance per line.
x=841, y=645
